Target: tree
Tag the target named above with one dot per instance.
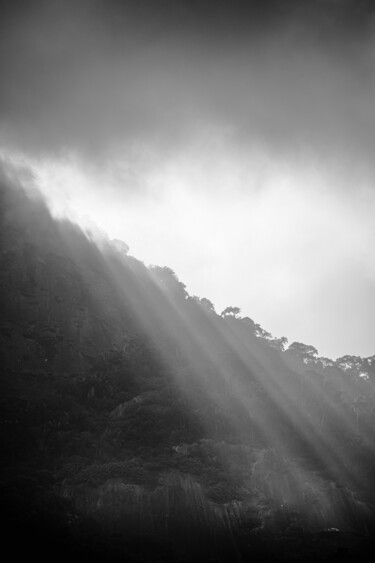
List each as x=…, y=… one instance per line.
x=278, y=343
x=304, y=352
x=167, y=280
x=357, y=366
x=249, y=322
x=120, y=246
x=231, y=312
x=204, y=303
x=207, y=304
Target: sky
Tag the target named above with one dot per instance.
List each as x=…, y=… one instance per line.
x=232, y=141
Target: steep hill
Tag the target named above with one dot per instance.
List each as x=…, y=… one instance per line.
x=137, y=422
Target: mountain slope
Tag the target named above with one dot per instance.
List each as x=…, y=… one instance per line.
x=131, y=410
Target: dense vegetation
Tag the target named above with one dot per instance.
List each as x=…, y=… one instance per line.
x=139, y=424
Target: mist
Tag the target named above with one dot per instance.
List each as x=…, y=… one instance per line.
x=232, y=141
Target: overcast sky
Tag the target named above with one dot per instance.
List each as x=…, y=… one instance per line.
x=232, y=141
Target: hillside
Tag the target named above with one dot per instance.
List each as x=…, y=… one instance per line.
x=139, y=424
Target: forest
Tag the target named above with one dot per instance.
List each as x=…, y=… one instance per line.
x=139, y=424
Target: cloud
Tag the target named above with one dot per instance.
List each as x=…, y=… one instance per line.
x=103, y=77
x=231, y=140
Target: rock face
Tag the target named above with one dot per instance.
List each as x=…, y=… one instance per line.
x=178, y=508
x=132, y=410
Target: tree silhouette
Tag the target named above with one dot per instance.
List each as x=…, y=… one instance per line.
x=207, y=304
x=304, y=352
x=231, y=312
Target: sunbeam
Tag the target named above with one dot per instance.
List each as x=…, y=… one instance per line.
x=175, y=176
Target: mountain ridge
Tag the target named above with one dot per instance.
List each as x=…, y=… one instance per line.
x=132, y=409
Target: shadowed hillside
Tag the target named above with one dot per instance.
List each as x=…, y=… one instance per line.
x=138, y=424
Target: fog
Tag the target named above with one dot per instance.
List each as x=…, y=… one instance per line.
x=233, y=142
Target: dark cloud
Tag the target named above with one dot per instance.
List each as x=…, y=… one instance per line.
x=94, y=75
